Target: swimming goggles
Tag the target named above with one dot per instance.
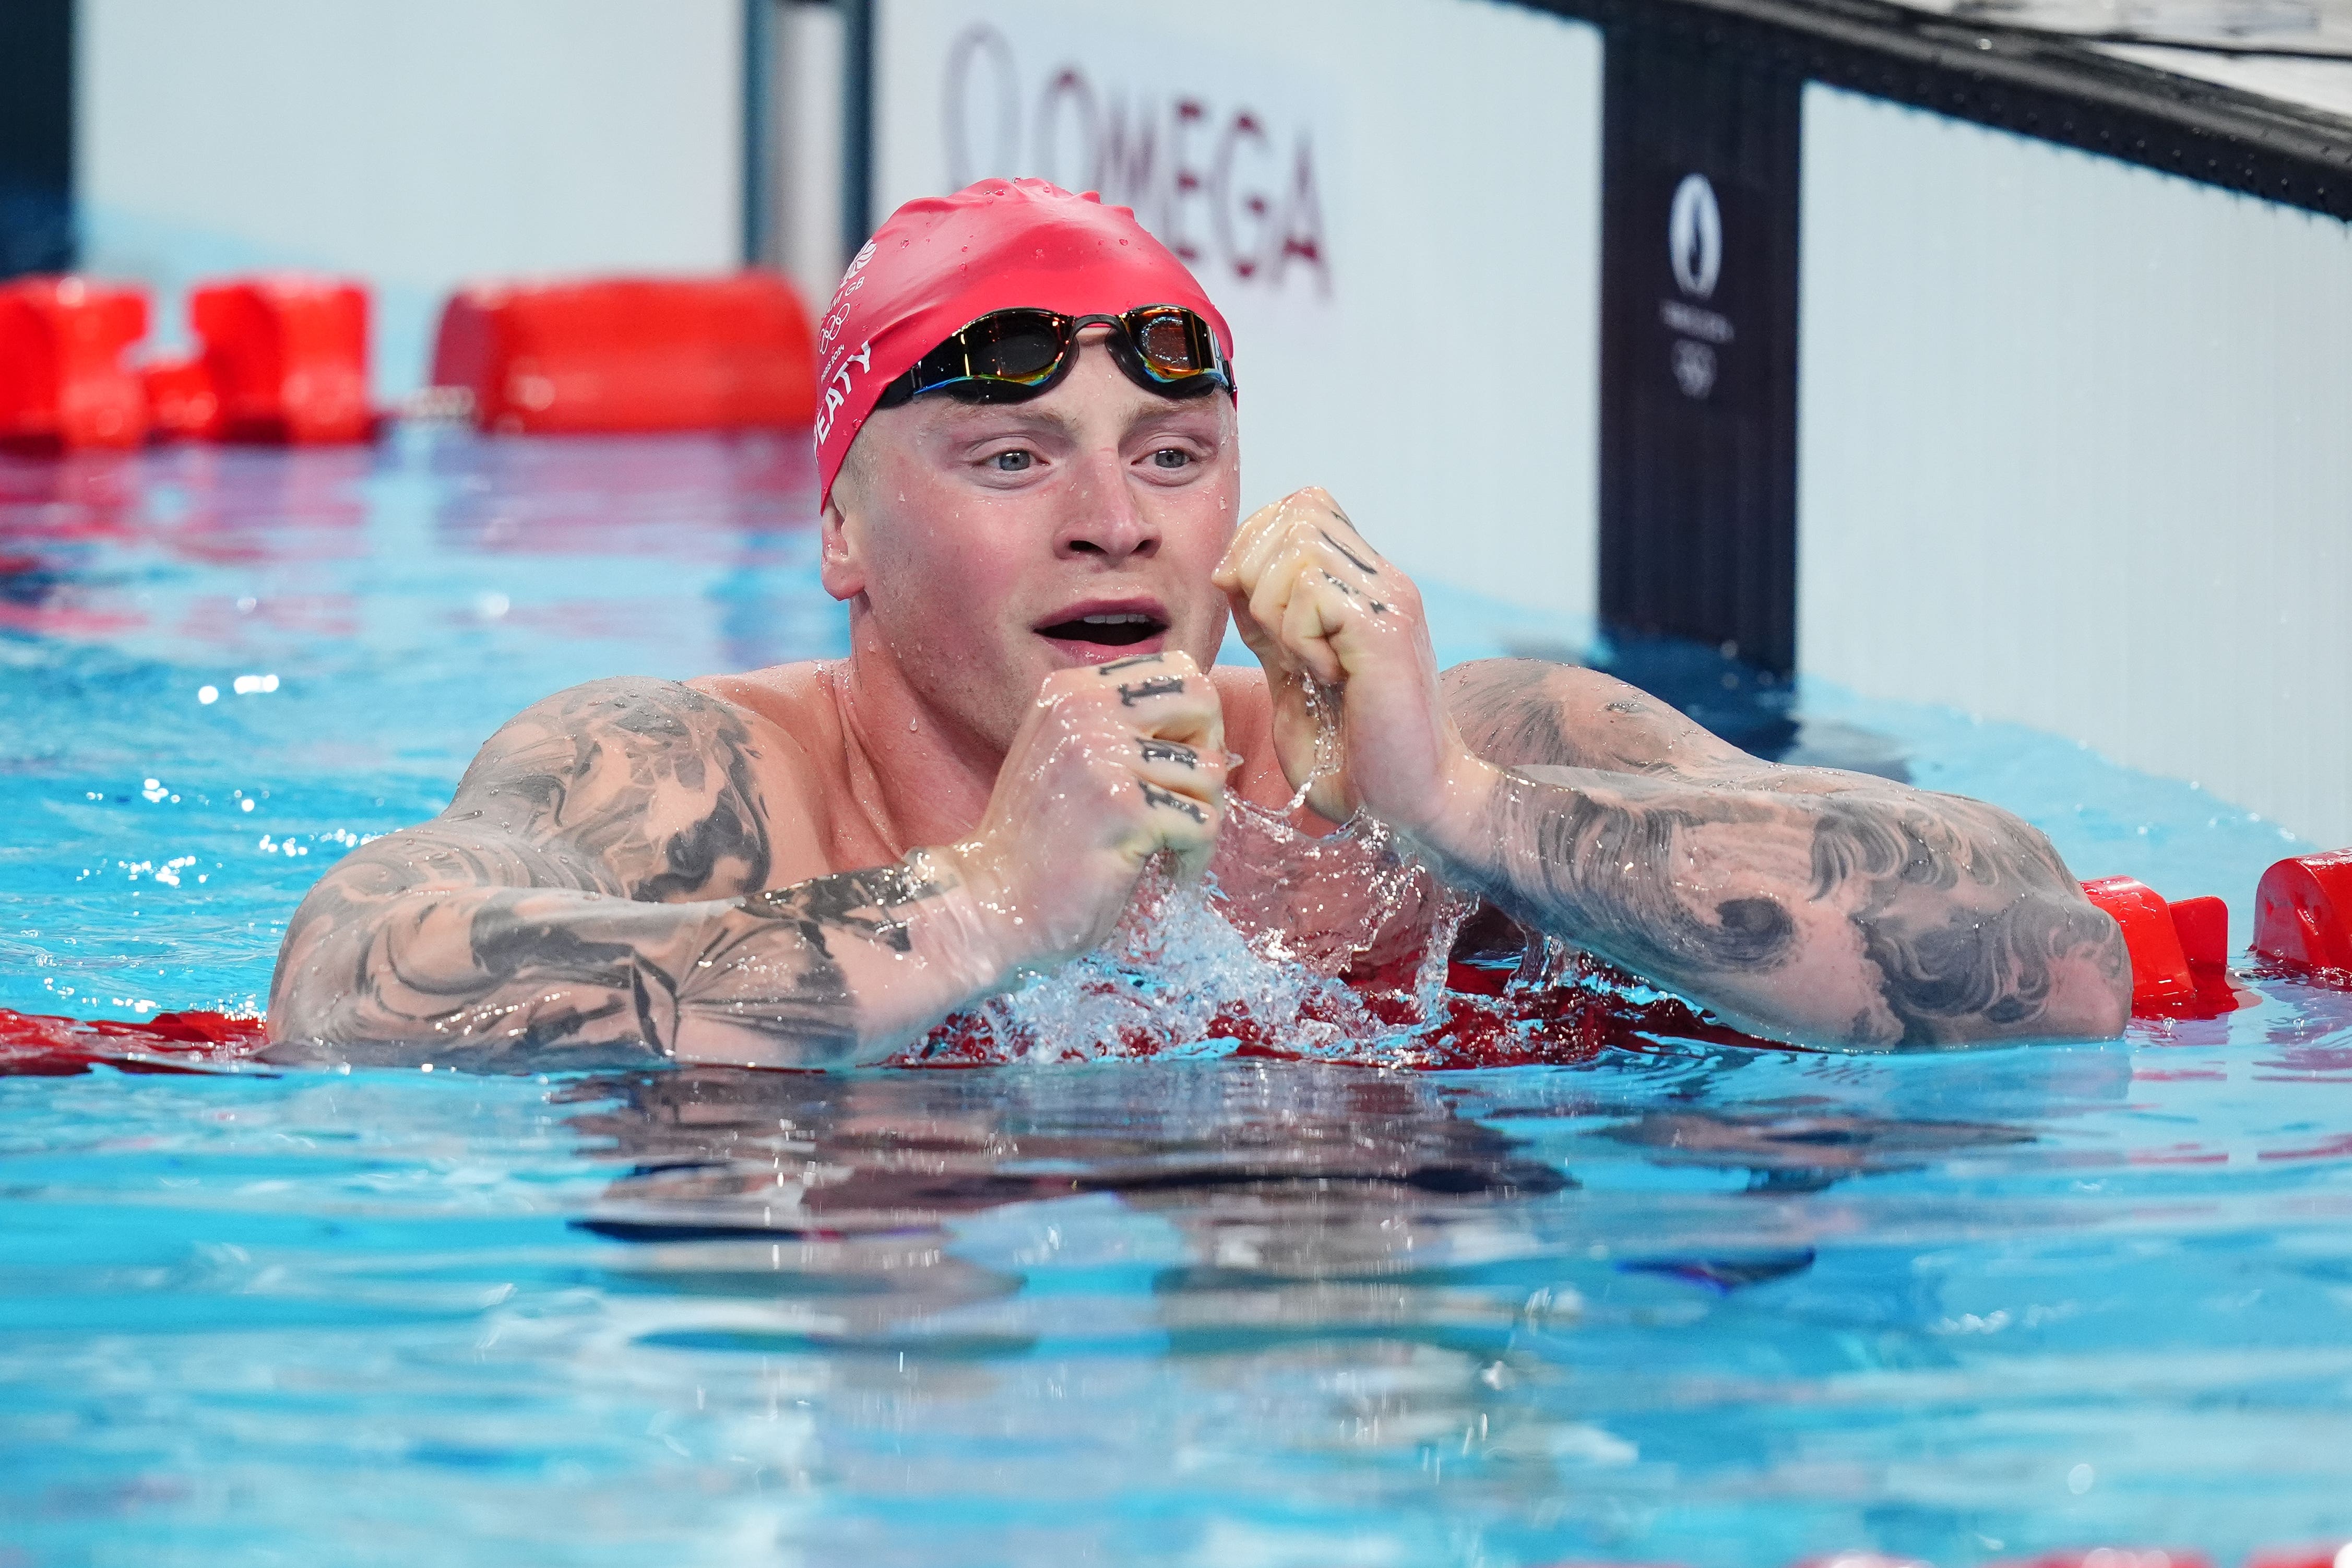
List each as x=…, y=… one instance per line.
x=1007, y=356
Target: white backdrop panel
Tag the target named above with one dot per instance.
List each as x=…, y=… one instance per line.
x=417, y=144
x=2074, y=452
x=1395, y=202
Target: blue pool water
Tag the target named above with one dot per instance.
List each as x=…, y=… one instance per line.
x=1680, y=1303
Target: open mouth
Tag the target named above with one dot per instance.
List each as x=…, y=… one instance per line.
x=1123, y=628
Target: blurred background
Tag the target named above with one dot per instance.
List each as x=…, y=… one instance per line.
x=1982, y=352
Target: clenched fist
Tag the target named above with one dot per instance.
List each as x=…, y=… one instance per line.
x=1315, y=603
x=1113, y=764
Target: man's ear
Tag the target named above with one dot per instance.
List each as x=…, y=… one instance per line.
x=841, y=564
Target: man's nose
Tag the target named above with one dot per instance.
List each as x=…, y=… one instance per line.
x=1104, y=519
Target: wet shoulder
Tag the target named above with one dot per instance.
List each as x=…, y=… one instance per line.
x=792, y=700
x=795, y=731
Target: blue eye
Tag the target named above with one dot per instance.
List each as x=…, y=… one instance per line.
x=1012, y=462
x=1172, y=457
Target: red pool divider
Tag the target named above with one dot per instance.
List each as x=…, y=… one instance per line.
x=284, y=362
x=621, y=354
x=2094, y=1557
x=35, y=1045
x=2179, y=951
x=2337, y=1555
x=183, y=403
x=2303, y=916
x=63, y=383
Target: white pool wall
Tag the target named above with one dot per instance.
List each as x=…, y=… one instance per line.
x=417, y=144
x=2075, y=452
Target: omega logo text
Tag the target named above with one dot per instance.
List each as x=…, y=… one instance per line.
x=1225, y=187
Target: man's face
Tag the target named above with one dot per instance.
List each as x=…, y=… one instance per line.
x=990, y=544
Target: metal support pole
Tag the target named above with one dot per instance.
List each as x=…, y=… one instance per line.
x=857, y=125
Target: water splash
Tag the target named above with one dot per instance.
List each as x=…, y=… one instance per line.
x=1323, y=707
x=1344, y=948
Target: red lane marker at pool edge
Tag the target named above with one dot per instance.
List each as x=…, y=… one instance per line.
x=285, y=357
x=619, y=354
x=2180, y=953
x=2302, y=917
x=34, y=1044
x=183, y=403
x=2337, y=1556
x=63, y=384
x=2110, y=1557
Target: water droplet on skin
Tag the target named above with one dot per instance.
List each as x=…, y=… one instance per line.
x=910, y=726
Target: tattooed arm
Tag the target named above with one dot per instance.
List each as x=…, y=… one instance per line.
x=1833, y=906
x=600, y=882
x=1802, y=903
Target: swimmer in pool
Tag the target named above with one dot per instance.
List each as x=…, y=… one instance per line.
x=1027, y=446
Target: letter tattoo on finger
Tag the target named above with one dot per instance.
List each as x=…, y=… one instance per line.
x=1169, y=751
x=1132, y=694
x=1358, y=562
x=1169, y=800
x=1128, y=663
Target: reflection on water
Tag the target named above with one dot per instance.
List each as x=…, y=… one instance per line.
x=1307, y=1187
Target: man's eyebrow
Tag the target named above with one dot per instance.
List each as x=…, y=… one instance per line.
x=980, y=423
x=1176, y=417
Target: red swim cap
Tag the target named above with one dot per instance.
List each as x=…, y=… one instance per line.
x=941, y=261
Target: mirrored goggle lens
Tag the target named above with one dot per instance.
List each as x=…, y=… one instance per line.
x=1172, y=342
x=1013, y=345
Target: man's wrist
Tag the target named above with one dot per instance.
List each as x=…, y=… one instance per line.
x=978, y=928
x=1456, y=827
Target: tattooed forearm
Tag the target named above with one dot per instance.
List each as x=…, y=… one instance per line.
x=1970, y=918
x=1825, y=905
x=1599, y=863
x=804, y=992
x=598, y=885
x=777, y=977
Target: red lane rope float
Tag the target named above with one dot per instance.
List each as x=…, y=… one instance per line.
x=620, y=355
x=2302, y=917
x=2179, y=951
x=63, y=384
x=284, y=363
x=2095, y=1557
x=2337, y=1555
x=34, y=1044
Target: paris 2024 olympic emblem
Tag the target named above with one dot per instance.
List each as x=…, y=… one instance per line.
x=1695, y=249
